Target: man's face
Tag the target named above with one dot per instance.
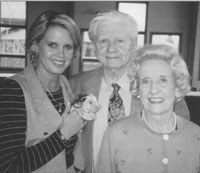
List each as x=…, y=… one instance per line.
x=113, y=45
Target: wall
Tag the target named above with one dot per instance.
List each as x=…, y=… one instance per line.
x=175, y=17
x=35, y=8
x=196, y=66
x=85, y=11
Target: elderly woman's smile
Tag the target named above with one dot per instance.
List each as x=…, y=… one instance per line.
x=156, y=100
x=157, y=88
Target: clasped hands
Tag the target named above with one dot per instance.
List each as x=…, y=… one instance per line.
x=72, y=124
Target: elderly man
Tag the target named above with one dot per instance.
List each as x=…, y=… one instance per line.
x=114, y=36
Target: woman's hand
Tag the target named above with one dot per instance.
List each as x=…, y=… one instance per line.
x=72, y=124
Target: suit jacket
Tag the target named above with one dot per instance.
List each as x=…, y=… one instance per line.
x=90, y=82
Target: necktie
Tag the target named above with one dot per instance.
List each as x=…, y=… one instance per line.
x=115, y=107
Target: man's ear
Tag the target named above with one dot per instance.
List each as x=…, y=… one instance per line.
x=134, y=43
x=95, y=49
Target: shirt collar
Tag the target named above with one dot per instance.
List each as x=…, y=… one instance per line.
x=123, y=82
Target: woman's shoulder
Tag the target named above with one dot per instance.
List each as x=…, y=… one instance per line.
x=86, y=75
x=10, y=86
x=188, y=126
x=7, y=80
x=127, y=122
x=11, y=98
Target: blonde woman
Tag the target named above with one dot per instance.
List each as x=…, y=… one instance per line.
x=37, y=133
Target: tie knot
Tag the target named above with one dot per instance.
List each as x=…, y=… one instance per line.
x=115, y=86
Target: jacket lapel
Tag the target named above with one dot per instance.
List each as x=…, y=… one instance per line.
x=40, y=100
x=93, y=83
x=67, y=92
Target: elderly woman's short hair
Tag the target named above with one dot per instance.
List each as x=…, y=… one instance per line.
x=40, y=26
x=112, y=16
x=168, y=54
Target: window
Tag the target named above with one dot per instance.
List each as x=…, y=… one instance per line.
x=171, y=39
x=89, y=60
x=139, y=12
x=12, y=37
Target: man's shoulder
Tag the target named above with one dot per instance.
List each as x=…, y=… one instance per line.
x=86, y=82
x=81, y=75
x=85, y=75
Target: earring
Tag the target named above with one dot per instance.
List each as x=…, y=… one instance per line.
x=35, y=50
x=138, y=96
x=178, y=96
x=34, y=55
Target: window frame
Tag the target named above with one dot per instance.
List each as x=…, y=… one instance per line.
x=170, y=34
x=84, y=59
x=146, y=22
x=5, y=71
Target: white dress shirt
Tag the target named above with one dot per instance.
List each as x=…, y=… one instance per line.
x=101, y=122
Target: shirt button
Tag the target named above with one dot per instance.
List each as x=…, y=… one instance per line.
x=45, y=133
x=165, y=161
x=165, y=137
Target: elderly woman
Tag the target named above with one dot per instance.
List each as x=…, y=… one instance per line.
x=156, y=139
x=37, y=134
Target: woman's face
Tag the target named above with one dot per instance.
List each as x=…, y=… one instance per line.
x=156, y=87
x=55, y=51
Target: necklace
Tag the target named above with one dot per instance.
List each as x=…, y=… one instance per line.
x=46, y=89
x=154, y=129
x=60, y=104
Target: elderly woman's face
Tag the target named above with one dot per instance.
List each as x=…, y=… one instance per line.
x=55, y=50
x=113, y=45
x=156, y=87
